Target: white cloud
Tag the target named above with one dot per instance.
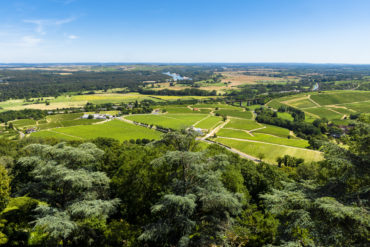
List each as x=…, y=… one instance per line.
x=30, y=41
x=72, y=36
x=41, y=24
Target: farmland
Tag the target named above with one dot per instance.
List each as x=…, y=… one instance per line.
x=271, y=151
x=76, y=101
x=332, y=105
x=116, y=129
x=240, y=131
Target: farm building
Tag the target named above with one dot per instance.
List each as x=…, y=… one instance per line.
x=96, y=116
x=30, y=130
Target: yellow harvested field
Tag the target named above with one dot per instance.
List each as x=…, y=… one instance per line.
x=238, y=78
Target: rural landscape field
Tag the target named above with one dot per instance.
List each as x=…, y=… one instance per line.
x=190, y=123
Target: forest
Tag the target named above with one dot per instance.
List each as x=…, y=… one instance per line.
x=33, y=84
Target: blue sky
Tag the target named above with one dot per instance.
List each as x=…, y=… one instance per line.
x=313, y=31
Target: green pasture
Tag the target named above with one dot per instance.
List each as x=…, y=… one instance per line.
x=304, y=103
x=363, y=107
x=271, y=151
x=113, y=129
x=263, y=138
x=208, y=123
x=23, y=122
x=334, y=98
x=324, y=112
x=174, y=121
x=285, y=115
x=244, y=124
x=273, y=130
x=235, y=113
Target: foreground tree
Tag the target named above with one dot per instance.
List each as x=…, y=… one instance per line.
x=196, y=209
x=76, y=194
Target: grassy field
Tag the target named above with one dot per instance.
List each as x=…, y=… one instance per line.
x=324, y=112
x=208, y=123
x=285, y=115
x=271, y=151
x=274, y=130
x=359, y=107
x=263, y=138
x=113, y=129
x=332, y=105
x=182, y=109
x=303, y=103
x=213, y=106
x=339, y=97
x=23, y=122
x=174, y=121
x=235, y=113
x=243, y=124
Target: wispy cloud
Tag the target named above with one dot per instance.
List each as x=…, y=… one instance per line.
x=41, y=24
x=72, y=36
x=30, y=41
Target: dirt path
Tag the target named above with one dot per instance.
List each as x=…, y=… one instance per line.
x=194, y=124
x=264, y=127
x=215, y=130
x=309, y=98
x=334, y=111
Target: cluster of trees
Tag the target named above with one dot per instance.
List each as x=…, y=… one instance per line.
x=174, y=192
x=297, y=114
x=22, y=114
x=184, y=92
x=125, y=108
